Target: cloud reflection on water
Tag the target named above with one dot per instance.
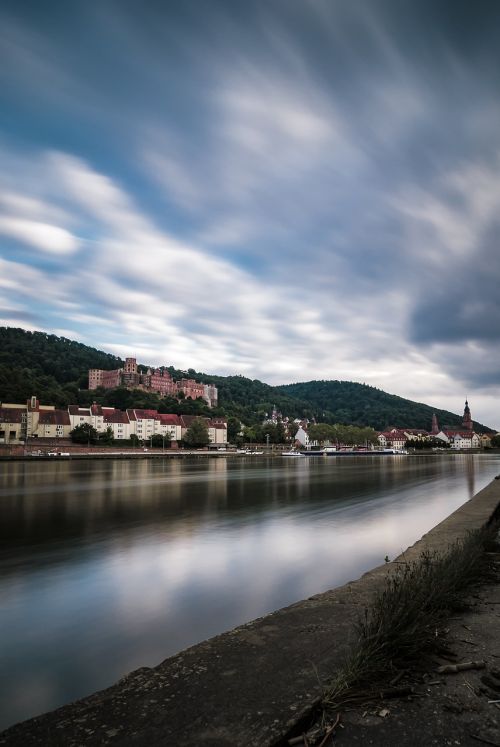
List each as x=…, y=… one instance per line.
x=120, y=566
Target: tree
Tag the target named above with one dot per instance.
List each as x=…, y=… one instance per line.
x=249, y=435
x=495, y=440
x=108, y=437
x=321, y=432
x=84, y=434
x=197, y=433
x=233, y=429
x=134, y=439
x=160, y=439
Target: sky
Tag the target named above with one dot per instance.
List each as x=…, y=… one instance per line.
x=285, y=189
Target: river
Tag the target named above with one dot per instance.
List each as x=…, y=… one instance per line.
x=110, y=566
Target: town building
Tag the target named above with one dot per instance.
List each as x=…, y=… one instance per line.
x=302, y=436
x=32, y=420
x=395, y=438
x=19, y=423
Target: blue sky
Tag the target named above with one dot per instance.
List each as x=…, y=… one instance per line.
x=283, y=189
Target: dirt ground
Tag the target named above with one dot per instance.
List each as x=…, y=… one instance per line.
x=456, y=708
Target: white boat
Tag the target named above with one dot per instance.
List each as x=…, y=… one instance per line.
x=292, y=454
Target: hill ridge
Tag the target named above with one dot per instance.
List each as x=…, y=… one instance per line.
x=56, y=370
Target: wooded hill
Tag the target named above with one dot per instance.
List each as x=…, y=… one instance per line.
x=55, y=369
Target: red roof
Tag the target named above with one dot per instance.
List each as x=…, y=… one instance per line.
x=54, y=417
x=77, y=410
x=115, y=416
x=186, y=420
x=166, y=419
x=219, y=423
x=146, y=414
x=11, y=414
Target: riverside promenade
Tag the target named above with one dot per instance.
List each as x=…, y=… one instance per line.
x=257, y=684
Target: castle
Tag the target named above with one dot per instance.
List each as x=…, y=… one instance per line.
x=158, y=381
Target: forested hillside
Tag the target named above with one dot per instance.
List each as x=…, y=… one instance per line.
x=51, y=367
x=360, y=404
x=55, y=369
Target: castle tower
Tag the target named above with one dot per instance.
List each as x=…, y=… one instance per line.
x=130, y=366
x=467, y=421
x=435, y=425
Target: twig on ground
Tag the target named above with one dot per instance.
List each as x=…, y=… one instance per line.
x=485, y=740
x=396, y=679
x=450, y=668
x=330, y=731
x=396, y=692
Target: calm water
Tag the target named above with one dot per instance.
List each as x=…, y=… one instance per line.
x=106, y=567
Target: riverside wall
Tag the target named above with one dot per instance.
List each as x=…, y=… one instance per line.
x=250, y=686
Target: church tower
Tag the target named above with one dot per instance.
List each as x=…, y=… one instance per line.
x=435, y=425
x=467, y=421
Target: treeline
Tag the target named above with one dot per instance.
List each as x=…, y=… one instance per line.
x=348, y=435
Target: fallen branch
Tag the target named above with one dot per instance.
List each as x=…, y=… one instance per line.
x=396, y=679
x=329, y=731
x=449, y=668
x=396, y=692
x=485, y=740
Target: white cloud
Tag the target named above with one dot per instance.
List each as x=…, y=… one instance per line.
x=48, y=238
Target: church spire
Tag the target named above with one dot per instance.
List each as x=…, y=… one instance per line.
x=467, y=419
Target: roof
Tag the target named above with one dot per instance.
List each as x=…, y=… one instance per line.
x=115, y=416
x=11, y=414
x=186, y=420
x=166, y=419
x=54, y=417
x=463, y=434
x=217, y=423
x=146, y=414
x=77, y=410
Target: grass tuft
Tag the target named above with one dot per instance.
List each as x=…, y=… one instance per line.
x=407, y=616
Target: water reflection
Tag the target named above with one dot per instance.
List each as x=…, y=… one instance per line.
x=109, y=566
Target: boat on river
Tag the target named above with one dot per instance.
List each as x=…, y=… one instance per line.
x=292, y=454
x=331, y=451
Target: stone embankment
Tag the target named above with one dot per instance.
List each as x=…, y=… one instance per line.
x=251, y=686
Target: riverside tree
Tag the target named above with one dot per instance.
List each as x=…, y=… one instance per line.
x=84, y=434
x=160, y=439
x=108, y=437
x=197, y=433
